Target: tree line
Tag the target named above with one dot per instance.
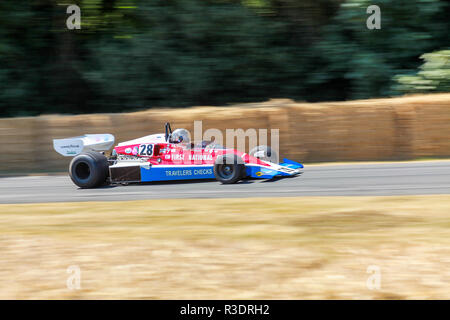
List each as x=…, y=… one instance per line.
x=136, y=54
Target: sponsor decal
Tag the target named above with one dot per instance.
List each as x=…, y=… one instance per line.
x=259, y=173
x=70, y=146
x=135, y=151
x=171, y=173
x=203, y=171
x=177, y=157
x=128, y=150
x=188, y=172
x=128, y=158
x=200, y=157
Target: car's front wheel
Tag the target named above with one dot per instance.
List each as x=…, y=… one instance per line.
x=229, y=168
x=89, y=170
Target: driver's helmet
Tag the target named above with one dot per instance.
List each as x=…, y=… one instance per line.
x=180, y=135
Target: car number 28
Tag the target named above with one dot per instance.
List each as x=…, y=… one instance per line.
x=146, y=150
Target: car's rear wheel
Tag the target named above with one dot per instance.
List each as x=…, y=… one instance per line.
x=89, y=170
x=229, y=168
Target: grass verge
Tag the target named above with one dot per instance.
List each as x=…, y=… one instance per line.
x=273, y=248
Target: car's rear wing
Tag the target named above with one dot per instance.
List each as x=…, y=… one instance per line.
x=71, y=147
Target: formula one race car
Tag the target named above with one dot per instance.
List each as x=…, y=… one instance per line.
x=163, y=157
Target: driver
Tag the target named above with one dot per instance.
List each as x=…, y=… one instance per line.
x=180, y=136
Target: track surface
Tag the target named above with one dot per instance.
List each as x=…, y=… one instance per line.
x=410, y=178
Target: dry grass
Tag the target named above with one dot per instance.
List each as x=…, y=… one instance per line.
x=283, y=248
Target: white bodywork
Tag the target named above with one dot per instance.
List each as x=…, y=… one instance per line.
x=153, y=138
x=71, y=147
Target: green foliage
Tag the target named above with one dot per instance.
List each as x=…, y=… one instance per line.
x=365, y=61
x=187, y=53
x=134, y=54
x=433, y=77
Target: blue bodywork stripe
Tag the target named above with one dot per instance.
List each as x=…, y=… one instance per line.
x=156, y=173
x=261, y=172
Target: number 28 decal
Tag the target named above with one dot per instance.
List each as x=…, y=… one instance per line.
x=146, y=150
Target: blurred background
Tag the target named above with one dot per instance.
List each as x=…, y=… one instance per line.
x=256, y=64
x=131, y=54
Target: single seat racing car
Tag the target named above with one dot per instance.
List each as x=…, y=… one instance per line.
x=164, y=157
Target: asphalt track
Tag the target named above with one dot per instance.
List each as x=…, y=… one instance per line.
x=405, y=178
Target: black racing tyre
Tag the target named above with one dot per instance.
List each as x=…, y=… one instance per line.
x=268, y=153
x=89, y=170
x=229, y=168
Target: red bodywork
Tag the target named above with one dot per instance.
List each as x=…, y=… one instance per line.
x=179, y=154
